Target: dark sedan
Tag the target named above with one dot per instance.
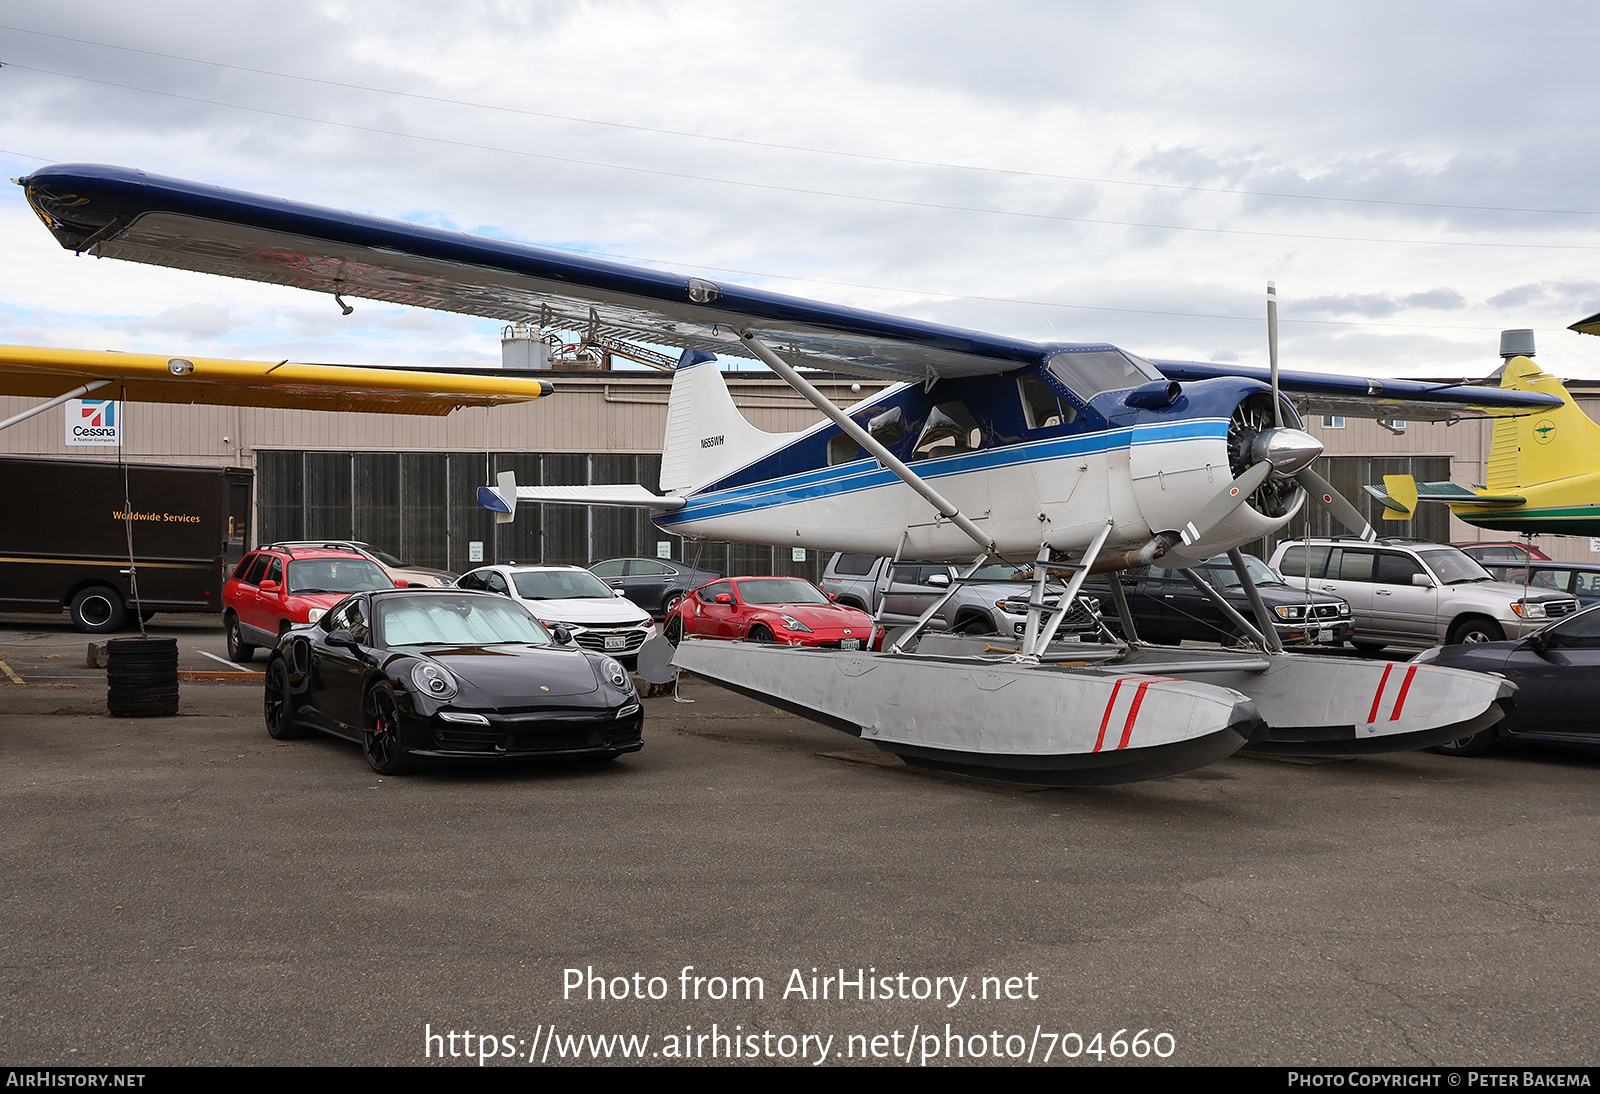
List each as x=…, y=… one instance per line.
x=416, y=675
x=655, y=584
x=1557, y=673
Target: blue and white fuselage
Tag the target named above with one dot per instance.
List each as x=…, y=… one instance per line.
x=1025, y=457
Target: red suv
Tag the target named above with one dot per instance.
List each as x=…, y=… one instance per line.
x=277, y=588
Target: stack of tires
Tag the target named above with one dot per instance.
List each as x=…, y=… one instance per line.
x=142, y=674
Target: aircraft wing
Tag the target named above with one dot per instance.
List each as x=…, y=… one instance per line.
x=116, y=212
x=1373, y=397
x=1590, y=325
x=152, y=378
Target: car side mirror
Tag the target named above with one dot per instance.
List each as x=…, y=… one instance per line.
x=1422, y=581
x=345, y=639
x=269, y=586
x=941, y=581
x=562, y=636
x=833, y=596
x=620, y=593
x=1536, y=643
x=401, y=583
x=724, y=598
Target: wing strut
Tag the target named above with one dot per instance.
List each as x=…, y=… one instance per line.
x=57, y=401
x=866, y=441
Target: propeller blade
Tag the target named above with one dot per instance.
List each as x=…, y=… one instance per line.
x=1219, y=508
x=1343, y=512
x=1272, y=350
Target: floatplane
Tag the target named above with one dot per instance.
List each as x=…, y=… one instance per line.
x=1079, y=458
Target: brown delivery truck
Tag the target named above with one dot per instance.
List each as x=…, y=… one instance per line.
x=64, y=537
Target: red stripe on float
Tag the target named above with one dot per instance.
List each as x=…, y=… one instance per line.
x=1372, y=715
x=1404, y=687
x=1106, y=720
x=1133, y=713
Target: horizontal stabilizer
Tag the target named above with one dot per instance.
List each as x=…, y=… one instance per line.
x=1400, y=503
x=631, y=494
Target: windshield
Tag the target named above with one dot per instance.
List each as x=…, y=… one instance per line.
x=440, y=619
x=336, y=575
x=781, y=591
x=560, y=585
x=1220, y=571
x=1453, y=567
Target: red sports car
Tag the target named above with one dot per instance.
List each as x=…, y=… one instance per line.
x=786, y=610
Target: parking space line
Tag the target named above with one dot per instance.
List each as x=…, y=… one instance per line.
x=223, y=660
x=15, y=679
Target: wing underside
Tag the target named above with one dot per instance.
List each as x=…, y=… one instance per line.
x=151, y=378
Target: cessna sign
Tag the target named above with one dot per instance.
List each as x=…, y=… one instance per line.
x=94, y=421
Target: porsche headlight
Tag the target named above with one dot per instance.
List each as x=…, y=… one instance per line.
x=613, y=671
x=433, y=681
x=794, y=624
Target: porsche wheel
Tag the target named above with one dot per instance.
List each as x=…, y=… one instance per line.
x=277, y=704
x=385, y=754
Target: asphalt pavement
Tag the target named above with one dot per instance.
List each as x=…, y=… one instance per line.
x=186, y=890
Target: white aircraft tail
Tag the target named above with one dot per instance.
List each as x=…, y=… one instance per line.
x=707, y=437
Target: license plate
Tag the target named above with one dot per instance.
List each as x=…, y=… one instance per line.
x=849, y=643
x=616, y=641
x=1324, y=636
x=1070, y=638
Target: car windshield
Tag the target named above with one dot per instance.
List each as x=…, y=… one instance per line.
x=559, y=585
x=440, y=619
x=336, y=575
x=1220, y=571
x=780, y=591
x=1453, y=567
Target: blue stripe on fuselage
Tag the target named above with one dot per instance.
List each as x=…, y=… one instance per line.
x=867, y=474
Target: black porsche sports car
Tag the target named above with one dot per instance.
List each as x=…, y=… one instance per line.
x=417, y=674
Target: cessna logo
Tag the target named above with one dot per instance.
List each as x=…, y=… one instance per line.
x=711, y=442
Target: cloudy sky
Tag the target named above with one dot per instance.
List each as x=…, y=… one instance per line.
x=1415, y=177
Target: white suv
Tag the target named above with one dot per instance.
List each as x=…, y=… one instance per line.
x=1417, y=595
x=599, y=617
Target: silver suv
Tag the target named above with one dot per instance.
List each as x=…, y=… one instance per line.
x=1417, y=595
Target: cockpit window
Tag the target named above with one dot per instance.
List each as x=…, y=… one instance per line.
x=950, y=429
x=1090, y=372
x=1041, y=408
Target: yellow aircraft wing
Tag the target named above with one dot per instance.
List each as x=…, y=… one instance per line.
x=152, y=378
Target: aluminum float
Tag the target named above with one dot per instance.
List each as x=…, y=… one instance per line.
x=1035, y=723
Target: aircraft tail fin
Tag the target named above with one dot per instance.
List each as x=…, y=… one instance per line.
x=501, y=498
x=1543, y=447
x=1398, y=495
x=707, y=437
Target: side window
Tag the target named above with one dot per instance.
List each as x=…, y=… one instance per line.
x=1396, y=569
x=646, y=568
x=257, y=568
x=912, y=573
x=710, y=593
x=950, y=429
x=1347, y=565
x=853, y=565
x=1579, y=632
x=843, y=449
x=495, y=583
x=1041, y=409
x=355, y=614
x=887, y=428
x=337, y=619
x=244, y=566
x=610, y=569
x=275, y=572
x=1293, y=563
x=473, y=580
x=1587, y=583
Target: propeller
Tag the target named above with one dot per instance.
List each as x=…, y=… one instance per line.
x=1282, y=453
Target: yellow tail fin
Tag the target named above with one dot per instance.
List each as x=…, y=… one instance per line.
x=1542, y=447
x=1403, y=489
